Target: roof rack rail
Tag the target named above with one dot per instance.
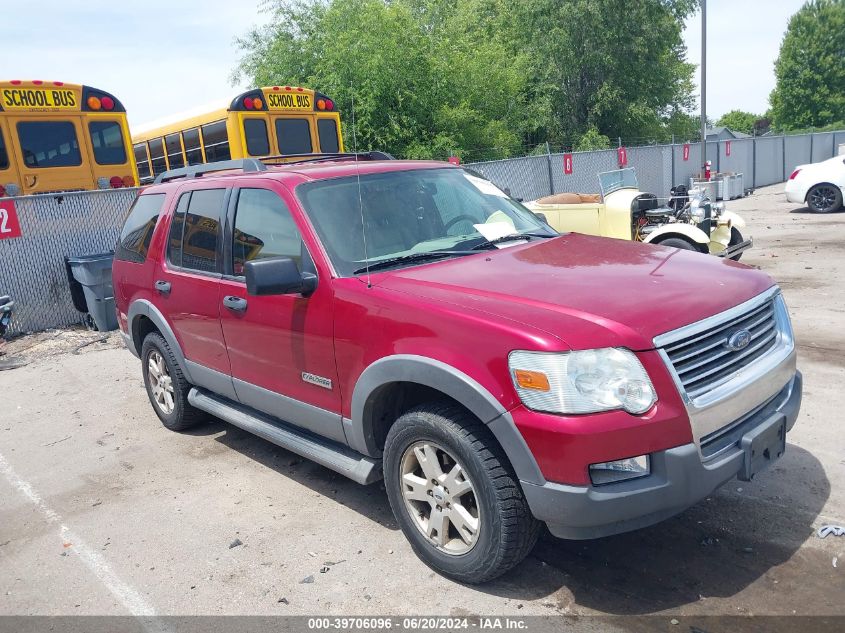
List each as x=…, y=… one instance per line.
x=318, y=156
x=194, y=171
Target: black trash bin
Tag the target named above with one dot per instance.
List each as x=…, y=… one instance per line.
x=91, y=288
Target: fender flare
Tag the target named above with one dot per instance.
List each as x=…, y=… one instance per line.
x=142, y=307
x=686, y=231
x=437, y=375
x=733, y=218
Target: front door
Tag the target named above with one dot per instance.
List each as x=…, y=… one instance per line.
x=53, y=153
x=281, y=346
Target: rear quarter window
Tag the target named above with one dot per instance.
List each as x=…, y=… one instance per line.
x=134, y=241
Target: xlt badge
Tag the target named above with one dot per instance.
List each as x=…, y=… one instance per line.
x=325, y=383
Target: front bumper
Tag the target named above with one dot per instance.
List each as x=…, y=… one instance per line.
x=680, y=477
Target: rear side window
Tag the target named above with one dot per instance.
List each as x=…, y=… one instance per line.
x=294, y=136
x=4, y=157
x=142, y=161
x=107, y=140
x=177, y=230
x=174, y=151
x=327, y=130
x=255, y=131
x=263, y=228
x=138, y=229
x=193, y=151
x=201, y=234
x=157, y=156
x=216, y=142
x=49, y=144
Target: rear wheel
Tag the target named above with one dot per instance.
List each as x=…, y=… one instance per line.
x=824, y=198
x=454, y=494
x=679, y=242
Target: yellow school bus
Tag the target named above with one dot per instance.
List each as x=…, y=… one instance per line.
x=271, y=121
x=62, y=137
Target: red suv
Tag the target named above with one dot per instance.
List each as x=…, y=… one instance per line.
x=408, y=320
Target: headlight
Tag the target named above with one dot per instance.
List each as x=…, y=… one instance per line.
x=582, y=382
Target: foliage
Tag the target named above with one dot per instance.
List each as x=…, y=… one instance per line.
x=810, y=69
x=480, y=78
x=739, y=121
x=592, y=139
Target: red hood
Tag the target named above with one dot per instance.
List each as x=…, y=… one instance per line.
x=587, y=291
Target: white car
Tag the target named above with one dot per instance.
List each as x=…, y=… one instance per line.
x=819, y=185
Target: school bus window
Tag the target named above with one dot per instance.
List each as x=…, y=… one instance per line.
x=294, y=136
x=174, y=151
x=157, y=154
x=141, y=160
x=256, y=137
x=49, y=144
x=327, y=131
x=216, y=141
x=107, y=140
x=4, y=157
x=193, y=151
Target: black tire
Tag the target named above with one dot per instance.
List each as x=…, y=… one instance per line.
x=736, y=238
x=679, y=242
x=824, y=198
x=183, y=416
x=506, y=530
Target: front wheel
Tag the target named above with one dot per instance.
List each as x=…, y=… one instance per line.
x=455, y=495
x=736, y=238
x=824, y=198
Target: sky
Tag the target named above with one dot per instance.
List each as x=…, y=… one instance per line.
x=161, y=57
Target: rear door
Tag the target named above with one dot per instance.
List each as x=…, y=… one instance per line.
x=280, y=347
x=8, y=172
x=187, y=283
x=53, y=153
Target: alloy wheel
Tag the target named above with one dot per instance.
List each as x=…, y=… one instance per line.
x=440, y=498
x=822, y=198
x=161, y=384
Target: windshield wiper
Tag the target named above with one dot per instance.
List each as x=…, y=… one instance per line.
x=412, y=257
x=509, y=238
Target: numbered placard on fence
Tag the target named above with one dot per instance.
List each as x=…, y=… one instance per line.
x=567, y=164
x=10, y=227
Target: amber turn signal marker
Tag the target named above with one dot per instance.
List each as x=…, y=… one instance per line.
x=531, y=379
x=94, y=103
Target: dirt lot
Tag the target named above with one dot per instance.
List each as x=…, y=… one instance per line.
x=103, y=511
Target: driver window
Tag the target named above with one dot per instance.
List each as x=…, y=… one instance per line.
x=264, y=227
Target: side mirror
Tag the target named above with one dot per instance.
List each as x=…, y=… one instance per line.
x=541, y=216
x=277, y=276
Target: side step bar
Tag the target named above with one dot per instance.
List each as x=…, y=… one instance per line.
x=339, y=458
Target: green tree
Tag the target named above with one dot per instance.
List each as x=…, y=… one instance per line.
x=739, y=121
x=810, y=69
x=592, y=139
x=618, y=67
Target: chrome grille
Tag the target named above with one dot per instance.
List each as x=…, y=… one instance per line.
x=703, y=362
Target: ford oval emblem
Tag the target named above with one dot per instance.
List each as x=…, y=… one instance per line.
x=738, y=340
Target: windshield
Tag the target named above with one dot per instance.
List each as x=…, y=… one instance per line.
x=409, y=213
x=617, y=179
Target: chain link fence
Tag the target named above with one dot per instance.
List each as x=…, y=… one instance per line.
x=763, y=160
x=32, y=266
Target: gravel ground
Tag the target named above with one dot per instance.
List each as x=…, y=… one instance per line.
x=103, y=511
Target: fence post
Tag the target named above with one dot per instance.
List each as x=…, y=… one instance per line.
x=549, y=164
x=754, y=160
x=672, y=154
x=783, y=153
x=812, y=134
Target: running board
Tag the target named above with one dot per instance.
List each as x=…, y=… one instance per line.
x=339, y=458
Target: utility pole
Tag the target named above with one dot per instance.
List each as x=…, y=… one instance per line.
x=703, y=84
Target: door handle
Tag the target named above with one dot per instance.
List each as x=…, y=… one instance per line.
x=163, y=287
x=234, y=303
